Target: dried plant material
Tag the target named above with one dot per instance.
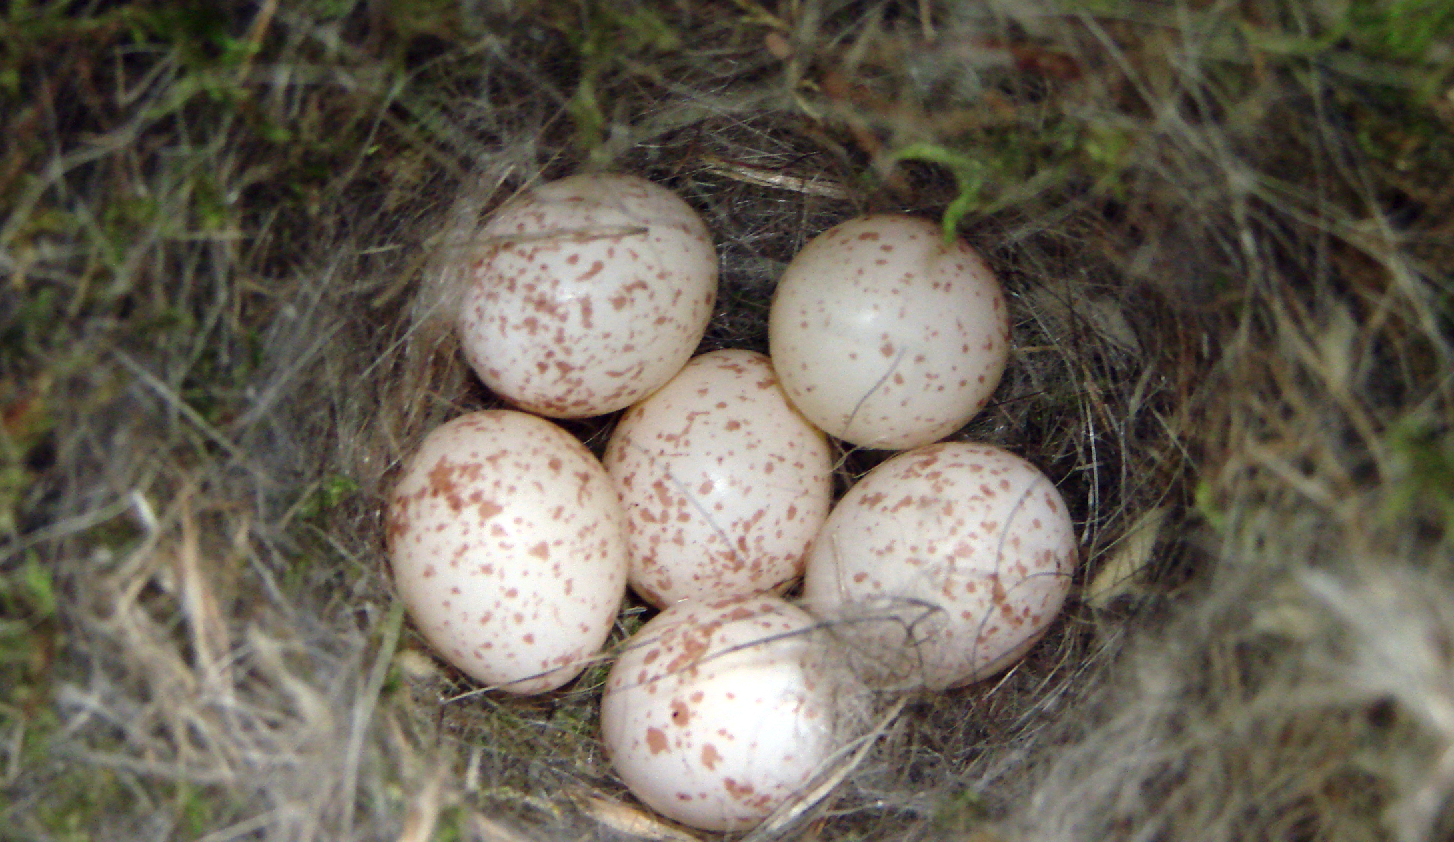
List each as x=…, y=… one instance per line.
x=796, y=811
x=423, y=815
x=763, y=177
x=1069, y=312
x=632, y=822
x=210, y=644
x=489, y=830
x=1289, y=613
x=1126, y=559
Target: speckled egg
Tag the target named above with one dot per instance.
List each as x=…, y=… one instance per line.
x=586, y=294
x=945, y=563
x=508, y=549
x=716, y=712
x=724, y=483
x=886, y=336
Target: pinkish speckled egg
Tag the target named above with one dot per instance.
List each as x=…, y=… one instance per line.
x=586, y=294
x=716, y=712
x=508, y=549
x=724, y=483
x=946, y=563
x=887, y=337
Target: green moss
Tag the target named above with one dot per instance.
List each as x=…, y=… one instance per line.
x=451, y=825
x=996, y=169
x=960, y=812
x=28, y=642
x=76, y=802
x=1400, y=30
x=969, y=173
x=1211, y=510
x=1422, y=481
x=84, y=802
x=607, y=37
x=326, y=495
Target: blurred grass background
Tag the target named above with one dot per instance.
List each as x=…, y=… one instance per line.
x=1227, y=229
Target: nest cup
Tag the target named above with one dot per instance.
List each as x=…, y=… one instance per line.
x=759, y=227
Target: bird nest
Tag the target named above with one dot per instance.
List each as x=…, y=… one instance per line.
x=1224, y=237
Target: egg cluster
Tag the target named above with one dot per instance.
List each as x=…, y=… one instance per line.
x=512, y=545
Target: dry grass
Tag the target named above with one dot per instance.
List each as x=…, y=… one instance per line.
x=1226, y=233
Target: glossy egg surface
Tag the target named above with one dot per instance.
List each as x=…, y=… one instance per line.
x=586, y=294
x=885, y=336
x=944, y=563
x=508, y=549
x=716, y=712
x=723, y=482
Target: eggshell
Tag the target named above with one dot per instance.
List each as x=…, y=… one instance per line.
x=586, y=294
x=944, y=564
x=508, y=549
x=724, y=483
x=716, y=712
x=885, y=336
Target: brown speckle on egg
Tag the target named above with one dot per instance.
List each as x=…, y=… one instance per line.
x=868, y=348
x=741, y=753
x=546, y=262
x=497, y=580
x=989, y=569
x=724, y=483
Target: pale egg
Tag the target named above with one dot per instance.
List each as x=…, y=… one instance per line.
x=716, y=712
x=723, y=482
x=886, y=336
x=943, y=565
x=507, y=543
x=584, y=295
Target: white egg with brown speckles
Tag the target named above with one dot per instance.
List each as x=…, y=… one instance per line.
x=886, y=336
x=717, y=712
x=944, y=564
x=723, y=482
x=507, y=543
x=586, y=294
